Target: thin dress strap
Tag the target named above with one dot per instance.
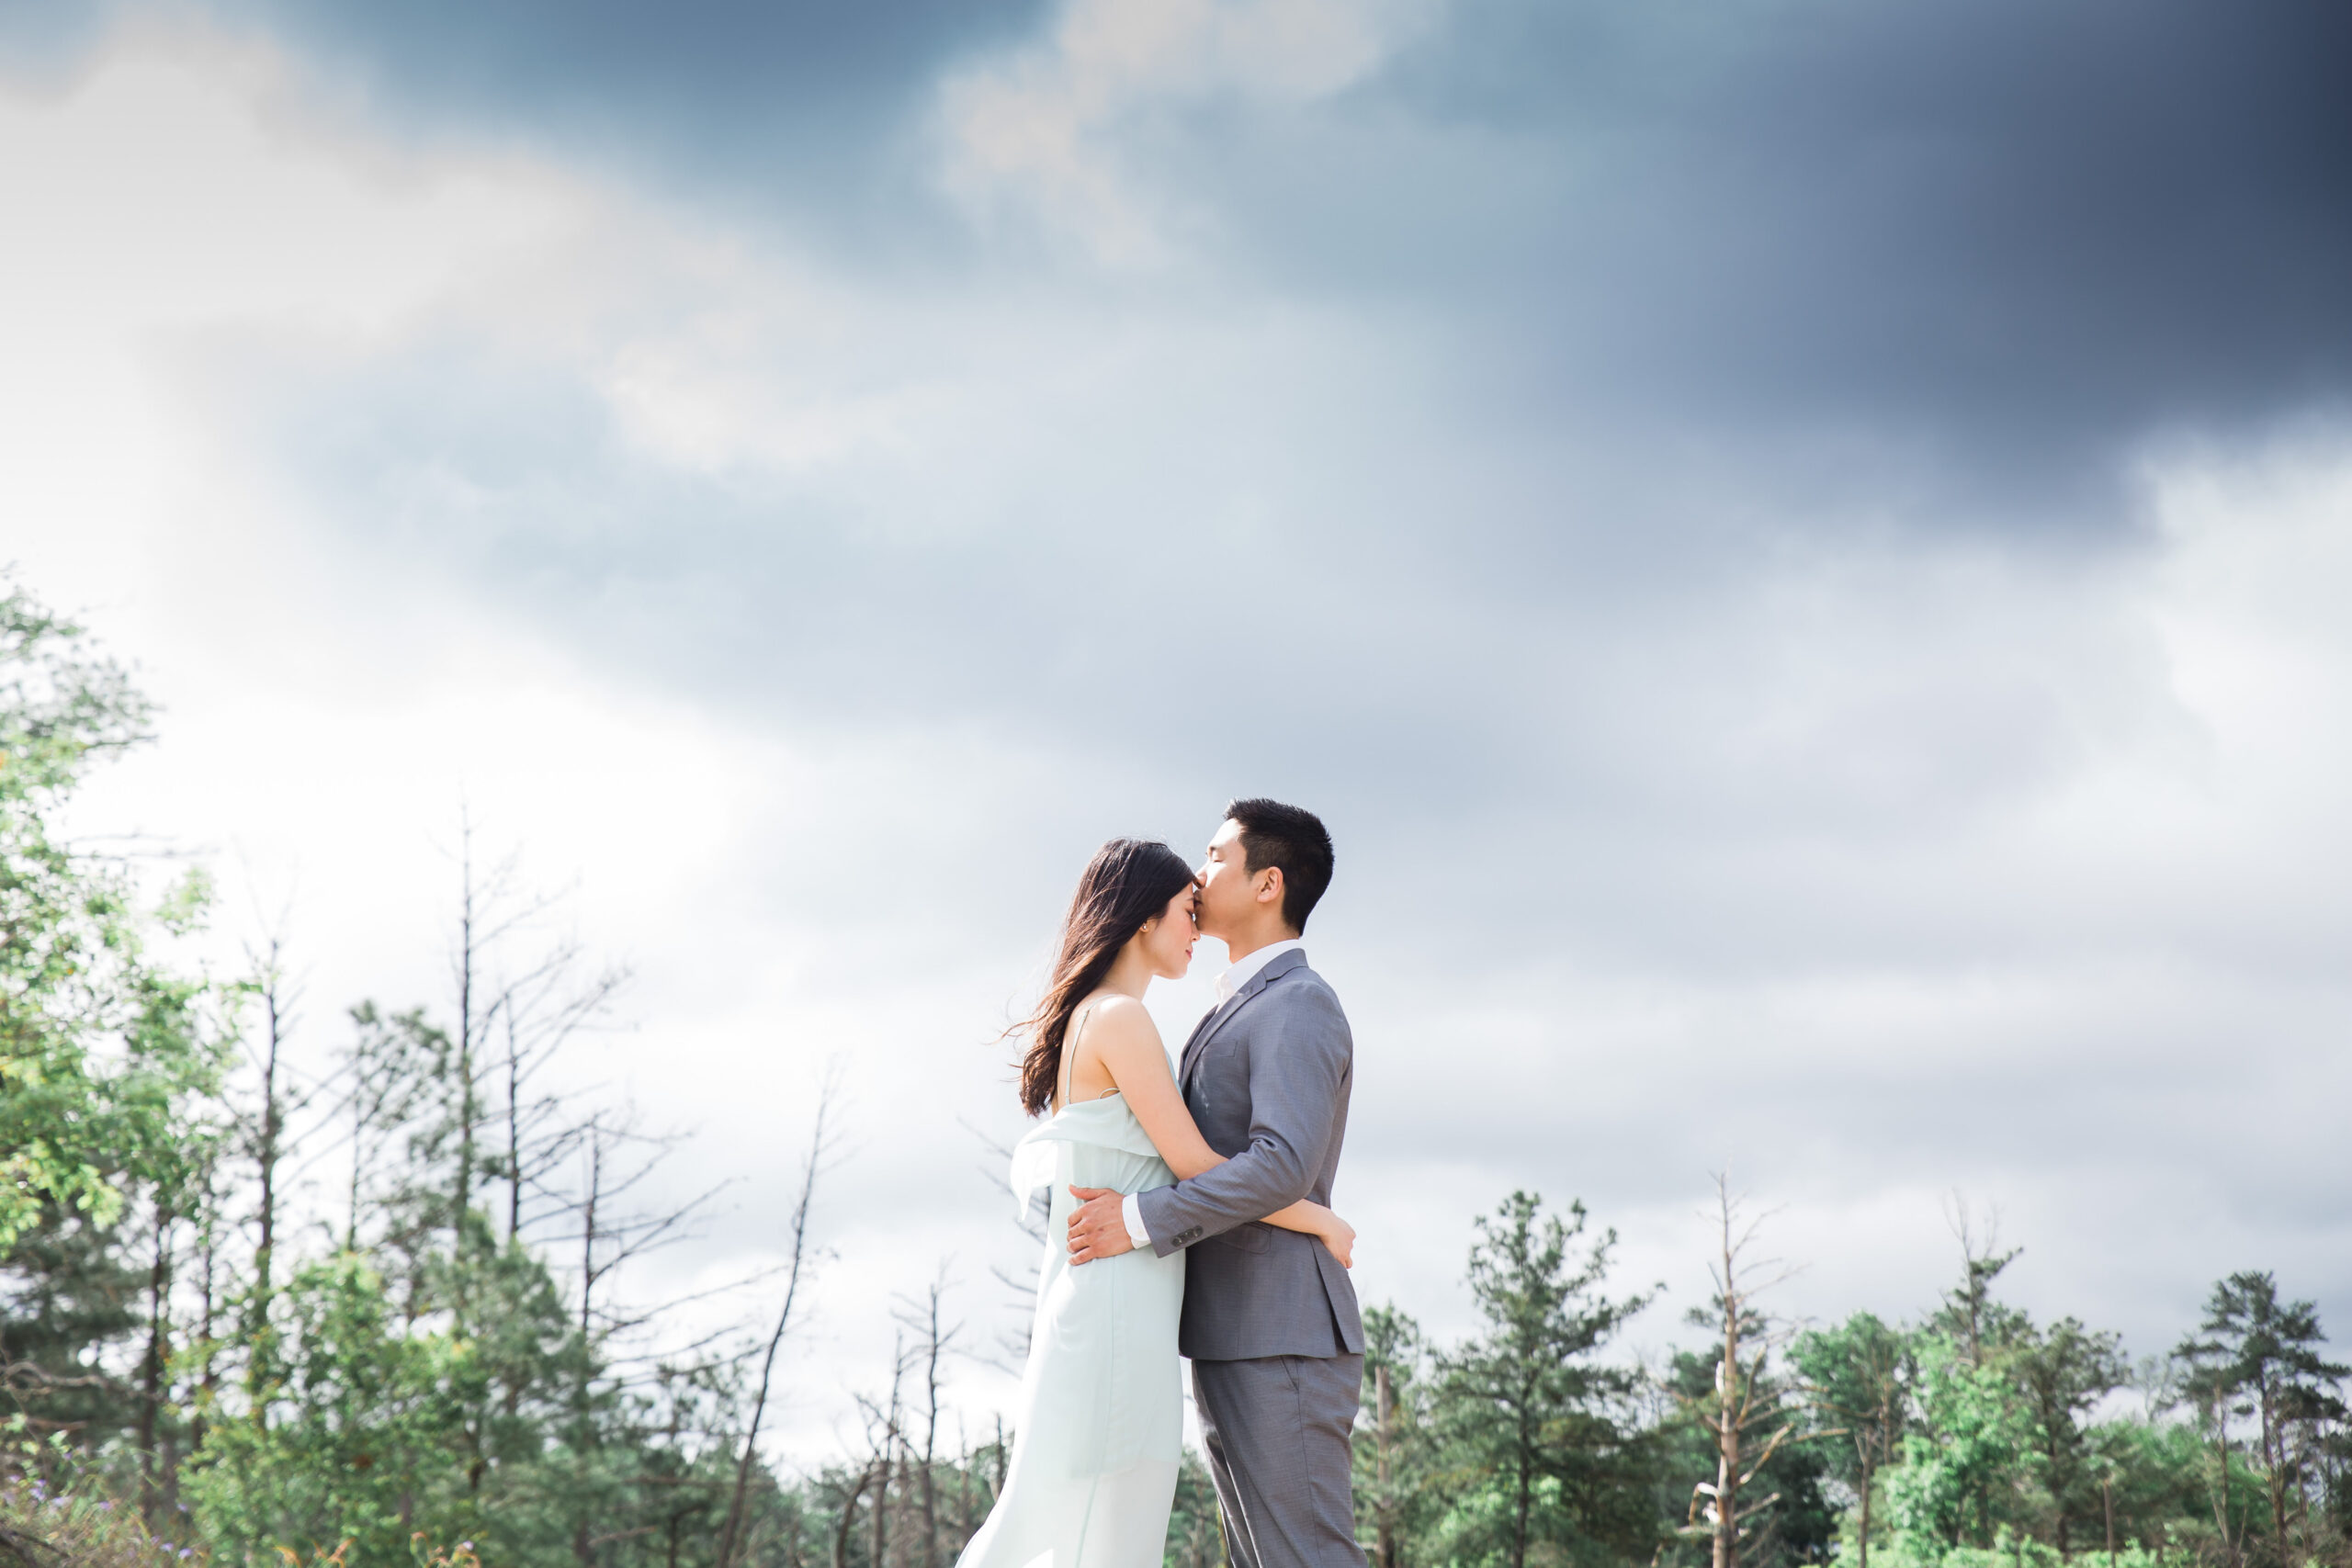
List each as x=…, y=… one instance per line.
x=1070, y=1051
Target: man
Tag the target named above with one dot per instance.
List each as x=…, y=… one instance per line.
x=1269, y=1318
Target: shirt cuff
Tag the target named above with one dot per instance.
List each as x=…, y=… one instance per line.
x=1132, y=1211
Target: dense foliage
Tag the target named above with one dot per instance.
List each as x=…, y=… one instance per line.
x=1973, y=1438
x=436, y=1364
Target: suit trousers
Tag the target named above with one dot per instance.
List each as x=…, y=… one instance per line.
x=1277, y=1430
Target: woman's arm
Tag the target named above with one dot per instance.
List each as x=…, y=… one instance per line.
x=1122, y=1035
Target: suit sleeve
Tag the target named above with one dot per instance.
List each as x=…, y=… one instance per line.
x=1300, y=1056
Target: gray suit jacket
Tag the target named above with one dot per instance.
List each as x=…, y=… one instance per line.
x=1267, y=1077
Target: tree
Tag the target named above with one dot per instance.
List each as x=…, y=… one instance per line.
x=361, y=1449
x=1745, y=1414
x=1196, y=1538
x=1857, y=1377
x=1541, y=1432
x=933, y=1340
x=107, y=1061
x=2065, y=1371
x=1394, y=1459
x=1970, y=1440
x=2256, y=1356
x=799, y=1259
x=1975, y=1430
x=1968, y=1313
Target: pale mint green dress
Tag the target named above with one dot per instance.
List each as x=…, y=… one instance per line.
x=1101, y=1421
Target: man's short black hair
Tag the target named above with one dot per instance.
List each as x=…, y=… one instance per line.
x=1293, y=839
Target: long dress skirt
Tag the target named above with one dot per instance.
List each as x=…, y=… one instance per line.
x=1100, y=1423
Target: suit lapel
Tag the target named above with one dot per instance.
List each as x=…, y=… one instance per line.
x=1207, y=1029
x=1203, y=1033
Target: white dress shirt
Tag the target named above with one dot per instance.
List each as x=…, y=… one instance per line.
x=1229, y=985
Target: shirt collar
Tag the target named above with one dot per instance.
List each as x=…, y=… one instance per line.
x=1245, y=969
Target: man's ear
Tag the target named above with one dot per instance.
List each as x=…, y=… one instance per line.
x=1271, y=890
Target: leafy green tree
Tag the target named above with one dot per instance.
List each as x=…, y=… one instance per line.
x=365, y=1437
x=108, y=1058
x=1968, y=1447
x=99, y=1045
x=2065, y=1371
x=1857, y=1377
x=2151, y=1482
x=1541, y=1434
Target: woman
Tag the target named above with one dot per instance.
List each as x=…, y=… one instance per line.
x=1101, y=1425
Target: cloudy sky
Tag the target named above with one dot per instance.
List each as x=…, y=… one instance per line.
x=1800, y=548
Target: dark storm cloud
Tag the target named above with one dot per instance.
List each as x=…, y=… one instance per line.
x=2012, y=237
x=1994, y=242
x=2001, y=240
x=1626, y=300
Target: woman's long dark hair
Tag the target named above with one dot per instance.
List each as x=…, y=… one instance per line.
x=1126, y=882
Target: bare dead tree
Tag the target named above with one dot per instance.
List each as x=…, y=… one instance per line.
x=381, y=1084
x=616, y=1160
x=965, y=1461
x=538, y=1012
x=266, y=1144
x=493, y=905
x=886, y=1431
x=1012, y=1344
x=820, y=1139
x=1743, y=1400
x=932, y=1343
x=849, y=1515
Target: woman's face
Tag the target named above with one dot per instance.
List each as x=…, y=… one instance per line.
x=1168, y=940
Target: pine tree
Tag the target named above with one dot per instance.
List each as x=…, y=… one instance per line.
x=1543, y=1431
x=2256, y=1356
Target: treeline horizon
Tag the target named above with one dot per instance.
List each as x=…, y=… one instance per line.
x=441, y=1361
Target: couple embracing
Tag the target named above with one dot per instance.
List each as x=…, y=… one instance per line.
x=1189, y=1217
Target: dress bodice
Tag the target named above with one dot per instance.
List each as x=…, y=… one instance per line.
x=1094, y=1142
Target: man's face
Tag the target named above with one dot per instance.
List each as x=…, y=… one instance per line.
x=1227, y=895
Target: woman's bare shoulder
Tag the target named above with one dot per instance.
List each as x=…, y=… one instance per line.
x=1115, y=1018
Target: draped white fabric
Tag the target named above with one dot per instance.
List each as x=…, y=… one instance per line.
x=1100, y=1422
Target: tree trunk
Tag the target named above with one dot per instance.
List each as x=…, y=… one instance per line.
x=1870, y=1472
x=2274, y=1457
x=514, y=1132
x=931, y=1445
x=257, y=1364
x=817, y=1149
x=1727, y=1419
x=849, y=1516
x=466, y=1111
x=2222, y=1483
x=211, y=1378
x=151, y=1389
x=1525, y=1477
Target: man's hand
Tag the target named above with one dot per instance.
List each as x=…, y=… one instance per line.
x=1098, y=1226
